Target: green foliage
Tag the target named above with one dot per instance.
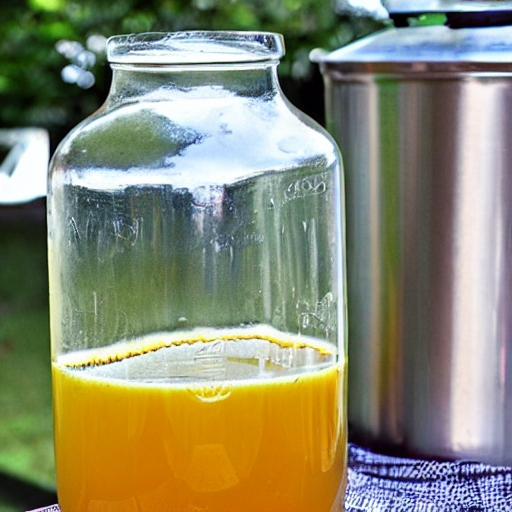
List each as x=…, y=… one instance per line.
x=32, y=91
x=25, y=379
x=427, y=20
x=47, y=5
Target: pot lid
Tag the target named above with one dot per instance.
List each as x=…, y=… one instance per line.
x=424, y=6
x=417, y=49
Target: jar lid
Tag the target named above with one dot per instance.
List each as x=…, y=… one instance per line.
x=419, y=49
x=195, y=47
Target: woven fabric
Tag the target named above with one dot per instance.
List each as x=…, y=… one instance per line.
x=380, y=483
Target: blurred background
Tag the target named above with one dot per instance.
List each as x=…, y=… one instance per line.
x=52, y=75
x=52, y=61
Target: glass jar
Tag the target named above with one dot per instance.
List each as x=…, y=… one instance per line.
x=197, y=288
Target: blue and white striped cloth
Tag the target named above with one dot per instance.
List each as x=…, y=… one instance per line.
x=380, y=483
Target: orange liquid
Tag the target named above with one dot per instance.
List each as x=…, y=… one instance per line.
x=131, y=435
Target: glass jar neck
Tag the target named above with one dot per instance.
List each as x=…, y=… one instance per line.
x=132, y=82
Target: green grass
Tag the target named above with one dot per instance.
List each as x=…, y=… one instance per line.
x=25, y=398
x=26, y=439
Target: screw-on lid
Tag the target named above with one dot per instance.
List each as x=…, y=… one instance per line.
x=195, y=47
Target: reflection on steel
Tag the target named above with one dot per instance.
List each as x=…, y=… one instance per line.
x=428, y=165
x=367, y=8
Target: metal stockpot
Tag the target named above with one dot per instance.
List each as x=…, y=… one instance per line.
x=423, y=116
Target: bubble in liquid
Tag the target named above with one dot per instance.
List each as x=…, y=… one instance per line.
x=211, y=393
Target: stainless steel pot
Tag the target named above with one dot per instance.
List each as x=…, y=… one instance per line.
x=422, y=6
x=423, y=117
